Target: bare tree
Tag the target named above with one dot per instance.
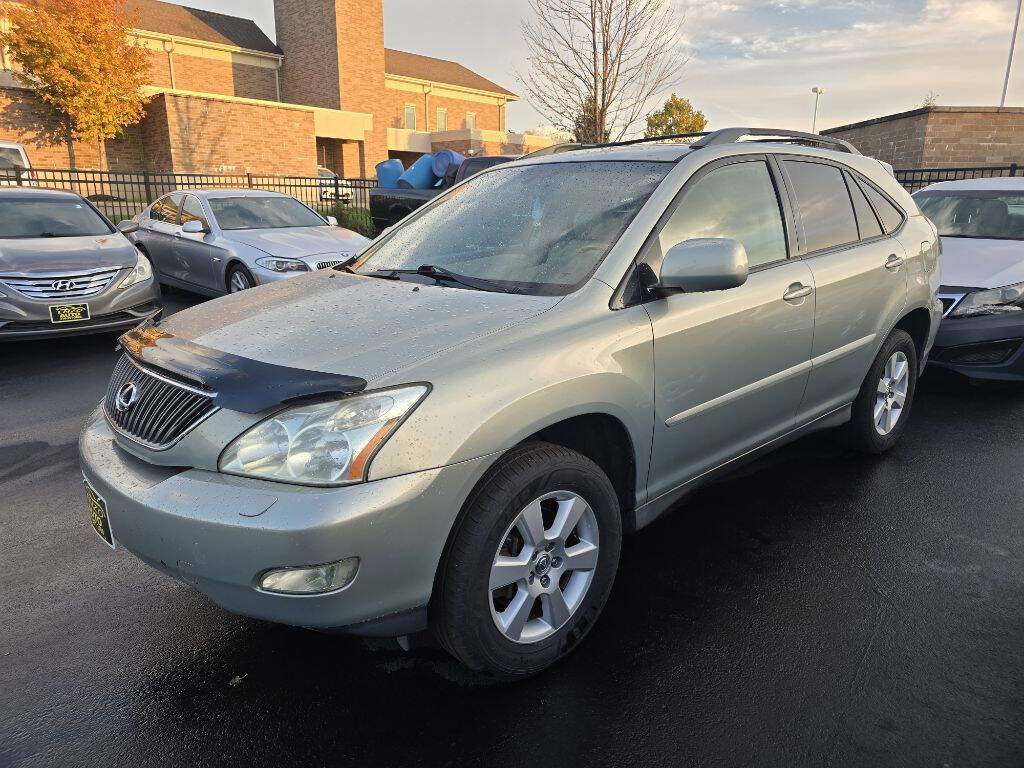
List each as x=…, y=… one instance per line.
x=930, y=99
x=600, y=58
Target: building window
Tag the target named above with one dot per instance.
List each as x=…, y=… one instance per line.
x=471, y=120
x=442, y=119
x=410, y=116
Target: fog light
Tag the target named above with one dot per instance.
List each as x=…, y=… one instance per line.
x=312, y=580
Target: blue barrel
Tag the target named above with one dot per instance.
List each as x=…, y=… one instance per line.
x=444, y=158
x=388, y=173
x=420, y=175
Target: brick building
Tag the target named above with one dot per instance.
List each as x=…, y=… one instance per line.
x=224, y=98
x=941, y=137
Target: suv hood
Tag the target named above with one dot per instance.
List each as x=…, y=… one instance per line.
x=974, y=263
x=65, y=254
x=336, y=322
x=297, y=242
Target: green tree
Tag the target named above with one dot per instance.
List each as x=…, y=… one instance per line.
x=78, y=58
x=584, y=129
x=677, y=116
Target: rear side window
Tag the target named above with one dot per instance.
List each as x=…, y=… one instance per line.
x=166, y=209
x=867, y=222
x=737, y=201
x=826, y=213
x=890, y=215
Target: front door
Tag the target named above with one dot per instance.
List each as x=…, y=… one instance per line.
x=191, y=250
x=159, y=238
x=730, y=366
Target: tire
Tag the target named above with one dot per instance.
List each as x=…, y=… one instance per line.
x=233, y=283
x=465, y=612
x=865, y=432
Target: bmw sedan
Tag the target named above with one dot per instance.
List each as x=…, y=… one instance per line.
x=65, y=269
x=226, y=240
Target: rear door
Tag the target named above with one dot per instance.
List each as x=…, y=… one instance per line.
x=192, y=251
x=860, y=277
x=730, y=366
x=159, y=234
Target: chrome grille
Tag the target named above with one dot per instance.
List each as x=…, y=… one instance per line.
x=328, y=264
x=161, y=411
x=61, y=285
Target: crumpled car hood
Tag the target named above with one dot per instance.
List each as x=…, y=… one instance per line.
x=297, y=242
x=337, y=322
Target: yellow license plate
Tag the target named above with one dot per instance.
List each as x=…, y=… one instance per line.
x=68, y=313
x=98, y=514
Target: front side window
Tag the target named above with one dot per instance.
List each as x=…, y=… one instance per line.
x=192, y=210
x=539, y=229
x=977, y=214
x=737, y=201
x=410, y=117
x=826, y=212
x=166, y=208
x=11, y=158
x=262, y=213
x=25, y=218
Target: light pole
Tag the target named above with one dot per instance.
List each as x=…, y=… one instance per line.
x=1009, y=60
x=818, y=91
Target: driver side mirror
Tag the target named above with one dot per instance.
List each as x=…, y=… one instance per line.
x=332, y=221
x=704, y=264
x=194, y=227
x=127, y=226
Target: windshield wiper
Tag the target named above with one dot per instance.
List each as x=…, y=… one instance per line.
x=441, y=274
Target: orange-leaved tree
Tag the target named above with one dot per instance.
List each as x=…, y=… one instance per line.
x=79, y=58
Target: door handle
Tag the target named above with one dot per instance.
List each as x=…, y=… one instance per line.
x=894, y=262
x=177, y=233
x=215, y=258
x=797, y=291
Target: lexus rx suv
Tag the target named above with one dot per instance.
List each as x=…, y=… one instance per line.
x=454, y=431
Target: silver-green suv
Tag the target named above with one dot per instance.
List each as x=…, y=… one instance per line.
x=454, y=431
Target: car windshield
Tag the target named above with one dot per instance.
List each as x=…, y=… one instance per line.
x=262, y=213
x=539, y=229
x=23, y=218
x=989, y=215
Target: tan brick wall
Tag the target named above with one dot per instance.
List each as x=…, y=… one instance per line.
x=159, y=69
x=306, y=33
x=211, y=136
x=229, y=78
x=899, y=142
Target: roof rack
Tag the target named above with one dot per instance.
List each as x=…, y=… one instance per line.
x=732, y=135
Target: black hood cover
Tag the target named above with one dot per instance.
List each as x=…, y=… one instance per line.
x=239, y=383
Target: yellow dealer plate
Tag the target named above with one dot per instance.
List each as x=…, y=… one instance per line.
x=68, y=313
x=98, y=514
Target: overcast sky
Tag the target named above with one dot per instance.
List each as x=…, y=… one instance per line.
x=751, y=62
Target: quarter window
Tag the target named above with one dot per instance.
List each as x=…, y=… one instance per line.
x=737, y=201
x=867, y=222
x=166, y=208
x=889, y=214
x=826, y=212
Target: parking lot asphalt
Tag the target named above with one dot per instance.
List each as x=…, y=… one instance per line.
x=816, y=608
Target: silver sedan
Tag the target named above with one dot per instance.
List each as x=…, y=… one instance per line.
x=226, y=240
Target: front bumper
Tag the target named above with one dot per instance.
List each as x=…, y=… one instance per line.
x=989, y=347
x=218, y=533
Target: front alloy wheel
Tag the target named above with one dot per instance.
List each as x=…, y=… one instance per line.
x=529, y=563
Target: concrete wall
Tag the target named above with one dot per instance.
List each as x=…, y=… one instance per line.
x=937, y=137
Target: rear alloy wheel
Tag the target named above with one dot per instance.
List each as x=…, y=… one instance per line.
x=530, y=563
x=882, y=408
x=240, y=279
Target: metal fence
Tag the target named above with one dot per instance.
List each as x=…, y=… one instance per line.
x=120, y=195
x=914, y=179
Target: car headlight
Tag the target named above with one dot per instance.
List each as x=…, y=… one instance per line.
x=328, y=443
x=275, y=264
x=1009, y=298
x=143, y=270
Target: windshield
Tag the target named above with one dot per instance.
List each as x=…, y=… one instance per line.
x=539, y=229
x=989, y=215
x=262, y=213
x=20, y=218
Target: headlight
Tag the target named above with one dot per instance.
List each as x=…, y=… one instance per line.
x=275, y=264
x=1009, y=298
x=143, y=271
x=324, y=443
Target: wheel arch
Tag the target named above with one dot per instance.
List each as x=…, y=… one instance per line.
x=917, y=323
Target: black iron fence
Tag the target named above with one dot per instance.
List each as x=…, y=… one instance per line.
x=914, y=179
x=120, y=195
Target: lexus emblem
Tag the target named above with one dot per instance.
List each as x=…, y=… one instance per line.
x=64, y=285
x=126, y=397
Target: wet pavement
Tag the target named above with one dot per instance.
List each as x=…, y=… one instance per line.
x=818, y=608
